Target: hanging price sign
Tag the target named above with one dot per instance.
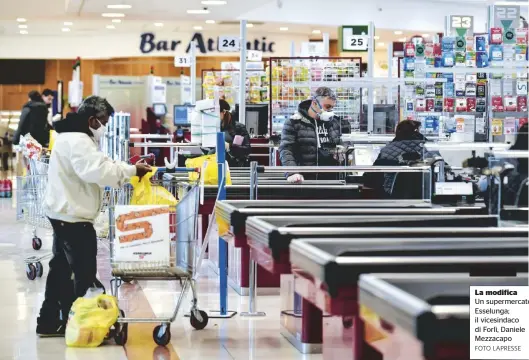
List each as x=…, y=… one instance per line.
x=462, y=22
x=506, y=16
x=354, y=38
x=228, y=44
x=254, y=55
x=182, y=61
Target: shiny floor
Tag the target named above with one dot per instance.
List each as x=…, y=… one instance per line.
x=236, y=338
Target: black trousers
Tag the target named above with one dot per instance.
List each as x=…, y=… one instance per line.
x=73, y=268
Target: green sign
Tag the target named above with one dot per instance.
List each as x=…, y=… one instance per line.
x=354, y=38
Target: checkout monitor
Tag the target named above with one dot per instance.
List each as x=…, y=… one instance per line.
x=181, y=115
x=159, y=109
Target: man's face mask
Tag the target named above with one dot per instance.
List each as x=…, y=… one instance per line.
x=324, y=114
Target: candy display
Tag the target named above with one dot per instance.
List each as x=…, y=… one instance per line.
x=226, y=83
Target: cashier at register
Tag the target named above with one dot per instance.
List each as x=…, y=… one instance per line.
x=310, y=135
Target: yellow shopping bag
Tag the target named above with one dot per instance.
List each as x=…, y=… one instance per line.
x=144, y=193
x=372, y=333
x=90, y=320
x=53, y=135
x=210, y=174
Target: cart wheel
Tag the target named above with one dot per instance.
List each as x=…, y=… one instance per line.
x=31, y=272
x=39, y=268
x=161, y=339
x=199, y=325
x=36, y=243
x=122, y=334
x=347, y=322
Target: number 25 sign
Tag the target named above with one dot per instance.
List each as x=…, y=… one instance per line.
x=356, y=43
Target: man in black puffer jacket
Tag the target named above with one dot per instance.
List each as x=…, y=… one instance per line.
x=34, y=120
x=309, y=136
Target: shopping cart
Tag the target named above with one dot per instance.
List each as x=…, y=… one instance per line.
x=166, y=250
x=30, y=193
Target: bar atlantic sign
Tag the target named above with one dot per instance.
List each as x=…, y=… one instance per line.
x=149, y=44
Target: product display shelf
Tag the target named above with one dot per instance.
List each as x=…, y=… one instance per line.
x=226, y=82
x=483, y=92
x=293, y=80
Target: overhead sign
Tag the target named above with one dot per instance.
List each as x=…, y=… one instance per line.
x=506, y=16
x=461, y=25
x=354, y=38
x=254, y=55
x=182, y=61
x=228, y=44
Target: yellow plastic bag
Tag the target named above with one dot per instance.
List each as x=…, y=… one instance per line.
x=90, y=320
x=144, y=193
x=53, y=135
x=210, y=174
x=372, y=334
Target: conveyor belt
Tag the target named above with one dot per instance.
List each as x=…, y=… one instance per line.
x=432, y=308
x=281, y=192
x=338, y=264
x=271, y=232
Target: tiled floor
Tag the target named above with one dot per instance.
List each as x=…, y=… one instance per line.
x=236, y=338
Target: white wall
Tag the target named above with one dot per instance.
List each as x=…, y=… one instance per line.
x=127, y=45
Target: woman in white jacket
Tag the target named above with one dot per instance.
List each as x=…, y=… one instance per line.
x=77, y=175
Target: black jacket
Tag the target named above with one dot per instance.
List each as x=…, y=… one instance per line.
x=34, y=120
x=299, y=139
x=238, y=156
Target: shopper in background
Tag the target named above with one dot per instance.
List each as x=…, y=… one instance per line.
x=47, y=97
x=511, y=194
x=408, y=143
x=77, y=175
x=236, y=137
x=34, y=120
x=311, y=134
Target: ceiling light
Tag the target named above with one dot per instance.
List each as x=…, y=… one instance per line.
x=113, y=15
x=283, y=28
x=316, y=31
x=117, y=21
x=22, y=26
x=376, y=37
x=111, y=27
x=158, y=24
x=197, y=27
x=119, y=6
x=249, y=25
x=398, y=32
x=68, y=23
x=65, y=29
x=381, y=44
x=210, y=21
x=214, y=2
x=21, y=20
x=425, y=35
x=198, y=11
x=23, y=32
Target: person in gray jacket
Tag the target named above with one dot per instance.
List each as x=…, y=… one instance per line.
x=309, y=136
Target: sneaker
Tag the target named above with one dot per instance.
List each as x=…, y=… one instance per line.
x=51, y=330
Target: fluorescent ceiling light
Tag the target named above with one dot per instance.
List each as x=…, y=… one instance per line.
x=68, y=23
x=210, y=21
x=119, y=6
x=381, y=44
x=158, y=24
x=214, y=2
x=22, y=26
x=316, y=31
x=117, y=21
x=21, y=20
x=376, y=37
x=249, y=25
x=397, y=32
x=23, y=32
x=283, y=28
x=111, y=27
x=198, y=11
x=425, y=35
x=65, y=29
x=113, y=15
x=197, y=27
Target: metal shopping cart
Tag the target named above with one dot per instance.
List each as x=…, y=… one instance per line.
x=166, y=248
x=30, y=193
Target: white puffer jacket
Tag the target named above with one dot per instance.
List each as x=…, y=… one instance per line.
x=78, y=172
